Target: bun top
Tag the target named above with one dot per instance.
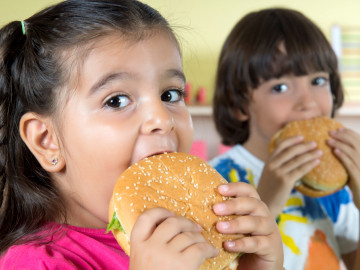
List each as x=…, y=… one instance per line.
x=330, y=175
x=182, y=183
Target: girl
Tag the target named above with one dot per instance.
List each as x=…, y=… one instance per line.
x=276, y=66
x=87, y=89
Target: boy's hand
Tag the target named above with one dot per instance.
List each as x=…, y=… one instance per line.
x=263, y=243
x=161, y=240
x=290, y=160
x=346, y=145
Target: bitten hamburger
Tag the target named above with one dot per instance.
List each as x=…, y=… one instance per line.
x=180, y=182
x=330, y=175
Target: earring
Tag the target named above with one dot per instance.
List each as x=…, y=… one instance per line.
x=54, y=161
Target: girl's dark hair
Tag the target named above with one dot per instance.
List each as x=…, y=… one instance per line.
x=31, y=73
x=251, y=55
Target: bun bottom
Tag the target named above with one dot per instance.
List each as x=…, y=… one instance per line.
x=234, y=265
x=314, y=193
x=120, y=236
x=123, y=240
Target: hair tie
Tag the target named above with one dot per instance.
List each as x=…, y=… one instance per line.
x=23, y=27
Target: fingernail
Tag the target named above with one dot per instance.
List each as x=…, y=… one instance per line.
x=319, y=152
x=313, y=144
x=199, y=227
x=224, y=188
x=224, y=225
x=331, y=141
x=216, y=252
x=220, y=207
x=230, y=244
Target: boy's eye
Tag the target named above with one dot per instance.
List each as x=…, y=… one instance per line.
x=319, y=81
x=117, y=101
x=173, y=95
x=280, y=88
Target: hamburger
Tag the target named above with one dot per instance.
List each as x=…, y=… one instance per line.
x=330, y=175
x=180, y=182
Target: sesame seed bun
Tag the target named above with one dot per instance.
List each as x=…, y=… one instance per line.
x=180, y=182
x=330, y=175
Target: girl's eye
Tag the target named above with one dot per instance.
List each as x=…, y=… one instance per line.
x=117, y=102
x=280, y=88
x=319, y=81
x=173, y=95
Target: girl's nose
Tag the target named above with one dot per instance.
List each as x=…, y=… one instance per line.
x=157, y=119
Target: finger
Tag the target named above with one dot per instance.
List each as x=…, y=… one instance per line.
x=147, y=222
x=344, y=147
x=347, y=136
x=348, y=156
x=254, y=225
x=241, y=206
x=238, y=189
x=290, y=153
x=351, y=162
x=289, y=142
x=173, y=226
x=200, y=252
x=303, y=169
x=182, y=241
x=249, y=244
x=303, y=161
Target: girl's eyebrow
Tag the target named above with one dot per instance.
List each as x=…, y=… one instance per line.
x=108, y=78
x=125, y=75
x=176, y=73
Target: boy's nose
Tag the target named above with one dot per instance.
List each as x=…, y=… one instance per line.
x=305, y=98
x=157, y=119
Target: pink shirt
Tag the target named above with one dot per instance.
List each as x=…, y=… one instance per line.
x=73, y=248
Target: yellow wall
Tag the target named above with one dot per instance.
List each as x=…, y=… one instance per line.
x=202, y=25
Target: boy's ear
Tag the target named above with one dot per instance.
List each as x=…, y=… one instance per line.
x=240, y=115
x=39, y=135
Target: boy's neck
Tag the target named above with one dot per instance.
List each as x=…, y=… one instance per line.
x=259, y=150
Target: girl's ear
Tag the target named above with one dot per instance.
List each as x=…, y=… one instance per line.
x=39, y=135
x=240, y=115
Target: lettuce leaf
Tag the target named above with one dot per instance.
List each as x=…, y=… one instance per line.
x=114, y=224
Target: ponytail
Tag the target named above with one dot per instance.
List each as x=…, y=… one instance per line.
x=25, y=187
x=10, y=41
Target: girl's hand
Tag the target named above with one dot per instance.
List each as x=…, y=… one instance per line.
x=262, y=243
x=290, y=160
x=346, y=145
x=161, y=240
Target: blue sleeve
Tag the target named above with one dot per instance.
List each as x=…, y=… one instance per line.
x=231, y=171
x=333, y=202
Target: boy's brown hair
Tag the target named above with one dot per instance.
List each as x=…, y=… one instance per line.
x=251, y=54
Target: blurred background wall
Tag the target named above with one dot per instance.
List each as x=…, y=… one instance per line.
x=202, y=25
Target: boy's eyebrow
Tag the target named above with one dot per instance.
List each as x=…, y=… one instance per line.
x=120, y=75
